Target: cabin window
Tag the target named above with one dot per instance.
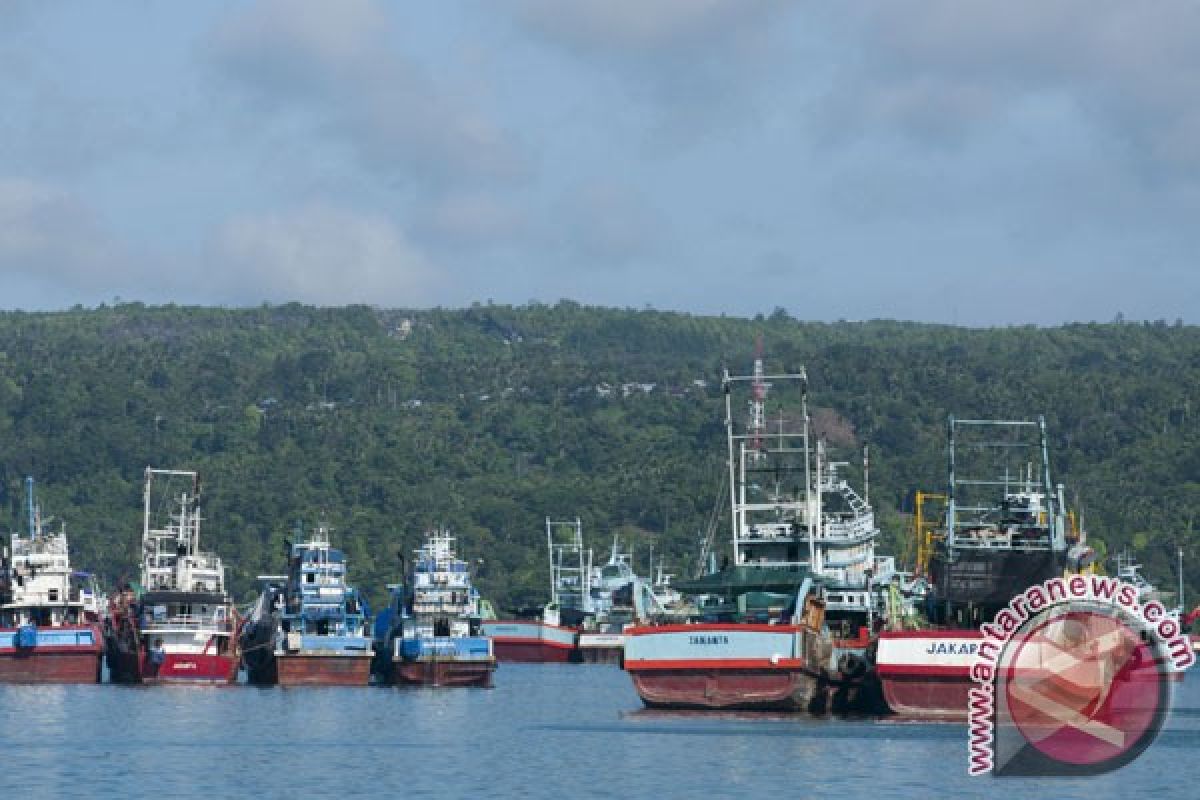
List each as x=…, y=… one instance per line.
x=52, y=595
x=311, y=577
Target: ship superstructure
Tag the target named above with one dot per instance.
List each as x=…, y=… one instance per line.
x=178, y=624
x=309, y=627
x=49, y=613
x=431, y=634
x=1004, y=527
x=789, y=613
x=794, y=515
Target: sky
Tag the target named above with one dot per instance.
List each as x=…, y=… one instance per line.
x=982, y=163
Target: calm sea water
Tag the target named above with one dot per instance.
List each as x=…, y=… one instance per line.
x=545, y=731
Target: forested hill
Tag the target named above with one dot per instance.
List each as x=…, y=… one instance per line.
x=489, y=419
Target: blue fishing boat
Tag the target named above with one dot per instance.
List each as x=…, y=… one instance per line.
x=431, y=634
x=308, y=628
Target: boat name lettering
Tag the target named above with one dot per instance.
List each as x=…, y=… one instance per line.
x=715, y=638
x=952, y=648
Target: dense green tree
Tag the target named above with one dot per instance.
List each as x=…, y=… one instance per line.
x=489, y=419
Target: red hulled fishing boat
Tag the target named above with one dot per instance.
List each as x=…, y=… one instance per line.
x=179, y=624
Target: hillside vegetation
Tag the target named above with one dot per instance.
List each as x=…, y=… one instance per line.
x=491, y=418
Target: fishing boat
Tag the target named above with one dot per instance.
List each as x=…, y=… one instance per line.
x=431, y=633
x=590, y=605
x=1129, y=570
x=308, y=627
x=178, y=624
x=618, y=598
x=1004, y=528
x=49, y=614
x=785, y=623
x=552, y=635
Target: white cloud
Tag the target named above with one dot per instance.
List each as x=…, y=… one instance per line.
x=934, y=69
x=473, y=219
x=337, y=63
x=324, y=255
x=696, y=66
x=49, y=236
x=637, y=26
x=608, y=223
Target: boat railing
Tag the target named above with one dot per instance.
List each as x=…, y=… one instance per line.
x=1002, y=539
x=846, y=560
x=769, y=531
x=441, y=608
x=853, y=528
x=188, y=622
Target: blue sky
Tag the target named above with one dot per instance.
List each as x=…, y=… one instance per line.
x=980, y=163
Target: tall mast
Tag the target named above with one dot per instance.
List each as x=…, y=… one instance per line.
x=146, y=504
x=195, y=538
x=950, y=499
x=867, y=474
x=29, y=503
x=814, y=524
x=1180, y=570
x=758, y=417
x=809, y=495
x=553, y=572
x=734, y=499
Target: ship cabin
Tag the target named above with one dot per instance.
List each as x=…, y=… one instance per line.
x=444, y=603
x=318, y=600
x=38, y=587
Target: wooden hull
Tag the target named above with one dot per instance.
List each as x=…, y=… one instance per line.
x=600, y=648
x=529, y=641
x=443, y=673
x=522, y=652
x=322, y=669
x=926, y=674
x=731, y=689
x=51, y=666
x=927, y=697
x=729, y=666
x=600, y=655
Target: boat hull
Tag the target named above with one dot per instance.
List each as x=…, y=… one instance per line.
x=262, y=671
x=323, y=669
x=601, y=648
x=525, y=641
x=730, y=689
x=132, y=666
x=854, y=686
x=728, y=667
x=189, y=668
x=443, y=673
x=61, y=655
x=440, y=661
x=926, y=674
